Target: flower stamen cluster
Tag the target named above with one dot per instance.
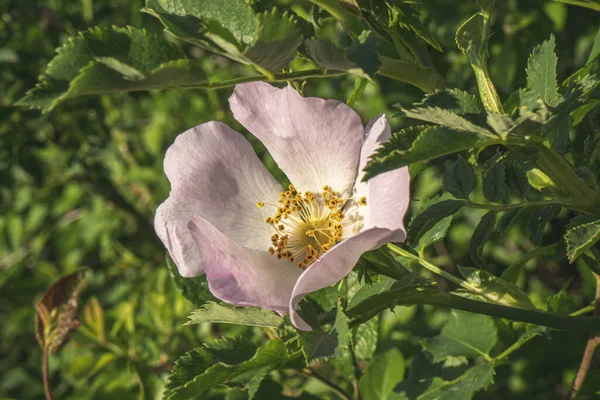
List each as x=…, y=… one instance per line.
x=306, y=224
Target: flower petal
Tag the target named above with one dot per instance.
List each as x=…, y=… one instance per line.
x=241, y=276
x=388, y=194
x=214, y=174
x=333, y=266
x=315, y=142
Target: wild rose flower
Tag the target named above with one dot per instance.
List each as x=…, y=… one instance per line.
x=258, y=243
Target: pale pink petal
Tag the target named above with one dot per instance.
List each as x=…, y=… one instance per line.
x=387, y=194
x=241, y=276
x=333, y=266
x=214, y=174
x=315, y=142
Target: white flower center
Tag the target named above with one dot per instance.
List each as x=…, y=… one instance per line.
x=308, y=224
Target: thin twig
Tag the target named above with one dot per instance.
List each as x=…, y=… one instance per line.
x=590, y=350
x=334, y=388
x=47, y=389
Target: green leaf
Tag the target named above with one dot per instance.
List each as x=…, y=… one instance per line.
x=277, y=41
x=459, y=179
x=537, y=221
x=427, y=219
x=595, y=51
x=541, y=71
x=561, y=302
x=327, y=56
x=463, y=388
x=516, y=178
x=493, y=179
x=481, y=235
x=205, y=367
x=105, y=60
x=425, y=78
x=195, y=290
x=407, y=288
x=421, y=143
x=365, y=339
x=496, y=290
x=472, y=39
x=363, y=52
x=581, y=237
x=234, y=15
x=366, y=291
x=453, y=100
x=317, y=343
x=381, y=376
x=465, y=334
x=445, y=118
x=219, y=313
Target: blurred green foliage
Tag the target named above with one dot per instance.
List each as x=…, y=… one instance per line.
x=79, y=186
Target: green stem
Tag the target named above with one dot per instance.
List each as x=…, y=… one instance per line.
x=506, y=207
x=437, y=270
x=519, y=343
x=298, y=75
x=361, y=84
x=47, y=389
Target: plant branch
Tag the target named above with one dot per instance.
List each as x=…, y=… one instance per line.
x=334, y=388
x=47, y=389
x=590, y=349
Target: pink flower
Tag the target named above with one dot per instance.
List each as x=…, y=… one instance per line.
x=258, y=243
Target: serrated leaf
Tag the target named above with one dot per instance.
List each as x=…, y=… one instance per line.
x=381, y=376
x=445, y=118
x=463, y=388
x=363, y=52
x=105, y=60
x=203, y=368
x=219, y=313
x=234, y=15
x=506, y=220
x=427, y=219
x=537, y=222
x=465, y=334
x=453, y=100
x=327, y=56
x=496, y=290
x=365, y=339
x=459, y=179
x=408, y=287
x=420, y=143
x=320, y=344
x=516, y=178
x=541, y=71
x=482, y=233
x=493, y=180
x=581, y=237
x=276, y=43
x=195, y=290
x=425, y=78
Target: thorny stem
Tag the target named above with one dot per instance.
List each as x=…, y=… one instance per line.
x=47, y=389
x=590, y=349
x=334, y=388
